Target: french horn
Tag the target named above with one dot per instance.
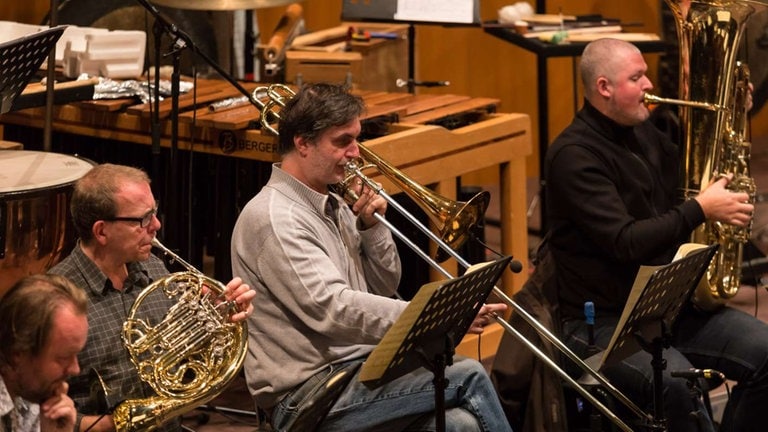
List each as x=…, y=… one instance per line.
x=188, y=358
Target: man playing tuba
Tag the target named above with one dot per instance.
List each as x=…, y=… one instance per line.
x=613, y=206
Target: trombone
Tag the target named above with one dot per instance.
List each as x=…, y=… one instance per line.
x=355, y=170
x=454, y=219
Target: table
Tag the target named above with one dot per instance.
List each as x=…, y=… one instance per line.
x=544, y=51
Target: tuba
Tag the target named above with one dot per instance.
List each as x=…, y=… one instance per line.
x=189, y=357
x=713, y=132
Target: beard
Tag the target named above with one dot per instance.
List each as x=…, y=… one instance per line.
x=38, y=395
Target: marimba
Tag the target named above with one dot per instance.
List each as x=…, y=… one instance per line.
x=433, y=139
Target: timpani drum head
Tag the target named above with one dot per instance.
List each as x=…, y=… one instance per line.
x=35, y=228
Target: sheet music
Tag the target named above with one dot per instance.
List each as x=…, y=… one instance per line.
x=434, y=320
x=656, y=297
x=641, y=280
x=389, y=346
x=449, y=11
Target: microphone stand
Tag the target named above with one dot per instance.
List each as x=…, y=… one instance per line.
x=181, y=41
x=53, y=21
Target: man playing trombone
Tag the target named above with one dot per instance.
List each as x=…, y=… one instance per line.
x=325, y=273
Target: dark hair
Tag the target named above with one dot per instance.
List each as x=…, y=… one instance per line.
x=27, y=311
x=94, y=196
x=315, y=108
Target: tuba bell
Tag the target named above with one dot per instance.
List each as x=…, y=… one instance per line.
x=713, y=134
x=189, y=357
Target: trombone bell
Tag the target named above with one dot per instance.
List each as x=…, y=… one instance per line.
x=453, y=219
x=458, y=218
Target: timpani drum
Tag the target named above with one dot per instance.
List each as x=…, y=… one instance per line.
x=35, y=228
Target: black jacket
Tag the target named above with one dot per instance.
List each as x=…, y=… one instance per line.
x=612, y=205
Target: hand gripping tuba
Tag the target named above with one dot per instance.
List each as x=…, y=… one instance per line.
x=712, y=106
x=189, y=357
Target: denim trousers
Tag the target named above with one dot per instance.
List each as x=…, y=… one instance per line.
x=408, y=403
x=727, y=340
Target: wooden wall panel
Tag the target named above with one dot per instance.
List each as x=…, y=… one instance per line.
x=27, y=12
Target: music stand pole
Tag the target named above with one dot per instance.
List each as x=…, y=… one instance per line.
x=51, y=79
x=441, y=383
x=650, y=310
x=441, y=361
x=656, y=348
x=659, y=364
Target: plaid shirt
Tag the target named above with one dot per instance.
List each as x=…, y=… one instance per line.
x=108, y=309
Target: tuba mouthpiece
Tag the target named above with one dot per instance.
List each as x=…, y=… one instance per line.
x=649, y=99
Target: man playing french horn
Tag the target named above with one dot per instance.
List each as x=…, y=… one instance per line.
x=115, y=215
x=613, y=205
x=325, y=273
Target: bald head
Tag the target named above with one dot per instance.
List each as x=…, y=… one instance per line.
x=615, y=81
x=603, y=57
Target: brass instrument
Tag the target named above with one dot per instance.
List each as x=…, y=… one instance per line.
x=401, y=179
x=454, y=220
x=713, y=102
x=278, y=95
x=189, y=357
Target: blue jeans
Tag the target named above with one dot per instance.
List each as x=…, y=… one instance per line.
x=408, y=403
x=727, y=340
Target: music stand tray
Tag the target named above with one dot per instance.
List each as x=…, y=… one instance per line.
x=438, y=315
x=654, y=304
x=20, y=59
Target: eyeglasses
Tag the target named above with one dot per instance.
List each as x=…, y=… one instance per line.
x=143, y=221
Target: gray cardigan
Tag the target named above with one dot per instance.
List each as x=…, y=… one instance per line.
x=323, y=292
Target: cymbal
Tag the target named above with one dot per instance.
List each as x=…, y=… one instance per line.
x=212, y=5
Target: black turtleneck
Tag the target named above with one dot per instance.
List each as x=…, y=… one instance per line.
x=612, y=205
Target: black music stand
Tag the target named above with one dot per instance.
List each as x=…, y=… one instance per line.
x=20, y=59
x=652, y=307
x=426, y=333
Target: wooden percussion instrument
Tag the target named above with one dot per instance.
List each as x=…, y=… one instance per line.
x=434, y=139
